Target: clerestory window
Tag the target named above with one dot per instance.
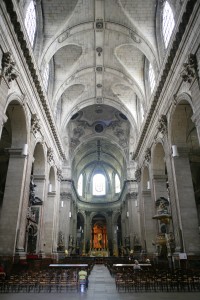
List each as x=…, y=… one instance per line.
x=45, y=76
x=151, y=78
x=80, y=185
x=117, y=184
x=168, y=23
x=30, y=22
x=99, y=185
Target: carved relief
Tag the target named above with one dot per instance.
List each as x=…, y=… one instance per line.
x=138, y=175
x=8, y=71
x=65, y=195
x=162, y=124
x=120, y=133
x=59, y=174
x=35, y=125
x=189, y=72
x=147, y=155
x=50, y=155
x=132, y=195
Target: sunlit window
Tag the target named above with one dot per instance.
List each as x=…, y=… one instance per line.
x=168, y=23
x=45, y=76
x=99, y=185
x=117, y=184
x=30, y=22
x=80, y=185
x=151, y=77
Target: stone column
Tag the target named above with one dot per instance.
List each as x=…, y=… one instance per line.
x=149, y=223
x=186, y=204
x=12, y=202
x=49, y=207
x=40, y=182
x=65, y=219
x=20, y=245
x=87, y=230
x=110, y=232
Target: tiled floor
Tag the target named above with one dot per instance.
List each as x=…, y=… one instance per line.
x=102, y=287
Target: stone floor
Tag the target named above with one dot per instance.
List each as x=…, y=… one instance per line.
x=102, y=287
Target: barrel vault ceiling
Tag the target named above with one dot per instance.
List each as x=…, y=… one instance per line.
x=98, y=50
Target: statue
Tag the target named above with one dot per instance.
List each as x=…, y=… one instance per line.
x=32, y=198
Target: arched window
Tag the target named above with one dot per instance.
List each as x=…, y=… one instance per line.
x=151, y=78
x=45, y=76
x=168, y=23
x=99, y=185
x=117, y=184
x=80, y=185
x=30, y=22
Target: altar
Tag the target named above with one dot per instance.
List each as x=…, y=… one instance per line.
x=98, y=253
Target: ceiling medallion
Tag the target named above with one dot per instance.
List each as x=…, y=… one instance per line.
x=99, y=85
x=99, y=100
x=99, y=24
x=99, y=69
x=99, y=50
x=98, y=128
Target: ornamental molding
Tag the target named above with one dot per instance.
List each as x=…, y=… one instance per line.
x=59, y=174
x=147, y=156
x=35, y=124
x=132, y=195
x=8, y=68
x=162, y=124
x=50, y=156
x=138, y=175
x=190, y=69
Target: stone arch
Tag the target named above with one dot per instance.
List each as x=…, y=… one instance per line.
x=12, y=171
x=52, y=179
x=39, y=159
x=183, y=135
x=13, y=138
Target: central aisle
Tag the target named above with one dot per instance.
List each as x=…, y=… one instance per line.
x=101, y=284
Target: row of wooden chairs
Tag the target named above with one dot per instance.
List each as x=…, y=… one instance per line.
x=158, y=281
x=42, y=281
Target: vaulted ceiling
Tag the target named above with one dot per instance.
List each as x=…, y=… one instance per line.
x=98, y=50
